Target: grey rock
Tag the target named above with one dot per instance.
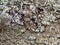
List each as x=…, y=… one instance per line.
x=31, y=37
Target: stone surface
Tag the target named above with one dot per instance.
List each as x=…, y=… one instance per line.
x=29, y=22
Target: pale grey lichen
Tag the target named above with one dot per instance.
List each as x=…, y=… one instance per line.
x=47, y=19
x=4, y=2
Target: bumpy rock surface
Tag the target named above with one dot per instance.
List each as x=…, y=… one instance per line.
x=29, y=22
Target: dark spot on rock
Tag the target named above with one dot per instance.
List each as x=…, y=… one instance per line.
x=0, y=30
x=58, y=11
x=51, y=9
x=58, y=37
x=22, y=15
x=16, y=11
x=39, y=10
x=32, y=19
x=36, y=23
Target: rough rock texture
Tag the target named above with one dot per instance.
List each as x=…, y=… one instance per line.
x=29, y=22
